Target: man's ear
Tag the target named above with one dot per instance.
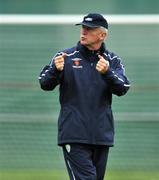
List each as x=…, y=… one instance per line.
x=103, y=36
x=106, y=35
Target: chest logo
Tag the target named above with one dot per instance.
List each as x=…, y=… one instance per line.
x=77, y=63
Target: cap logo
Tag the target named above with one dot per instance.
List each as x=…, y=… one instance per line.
x=88, y=19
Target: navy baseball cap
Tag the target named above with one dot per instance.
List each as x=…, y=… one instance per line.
x=94, y=20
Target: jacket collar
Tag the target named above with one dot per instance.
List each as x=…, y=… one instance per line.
x=85, y=51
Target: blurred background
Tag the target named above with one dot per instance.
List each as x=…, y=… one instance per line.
x=28, y=115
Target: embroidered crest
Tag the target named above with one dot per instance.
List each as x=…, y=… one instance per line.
x=68, y=148
x=77, y=63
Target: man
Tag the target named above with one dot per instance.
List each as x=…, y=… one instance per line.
x=88, y=75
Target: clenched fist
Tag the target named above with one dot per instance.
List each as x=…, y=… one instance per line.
x=102, y=65
x=59, y=62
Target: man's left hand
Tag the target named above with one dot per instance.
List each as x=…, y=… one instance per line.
x=102, y=65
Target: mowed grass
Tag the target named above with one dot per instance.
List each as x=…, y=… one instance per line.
x=62, y=175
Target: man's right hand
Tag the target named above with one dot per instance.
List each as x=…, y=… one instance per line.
x=59, y=62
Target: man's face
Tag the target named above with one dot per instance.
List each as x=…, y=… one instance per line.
x=90, y=37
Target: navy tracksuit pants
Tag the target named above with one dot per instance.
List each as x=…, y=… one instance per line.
x=86, y=162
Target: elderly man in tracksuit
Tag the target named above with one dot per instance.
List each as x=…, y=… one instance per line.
x=87, y=74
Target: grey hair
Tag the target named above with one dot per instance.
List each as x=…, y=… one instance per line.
x=103, y=29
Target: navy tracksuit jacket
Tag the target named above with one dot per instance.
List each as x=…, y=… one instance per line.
x=86, y=95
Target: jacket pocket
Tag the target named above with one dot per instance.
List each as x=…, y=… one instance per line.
x=65, y=114
x=106, y=122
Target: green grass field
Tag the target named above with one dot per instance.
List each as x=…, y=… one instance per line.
x=62, y=175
